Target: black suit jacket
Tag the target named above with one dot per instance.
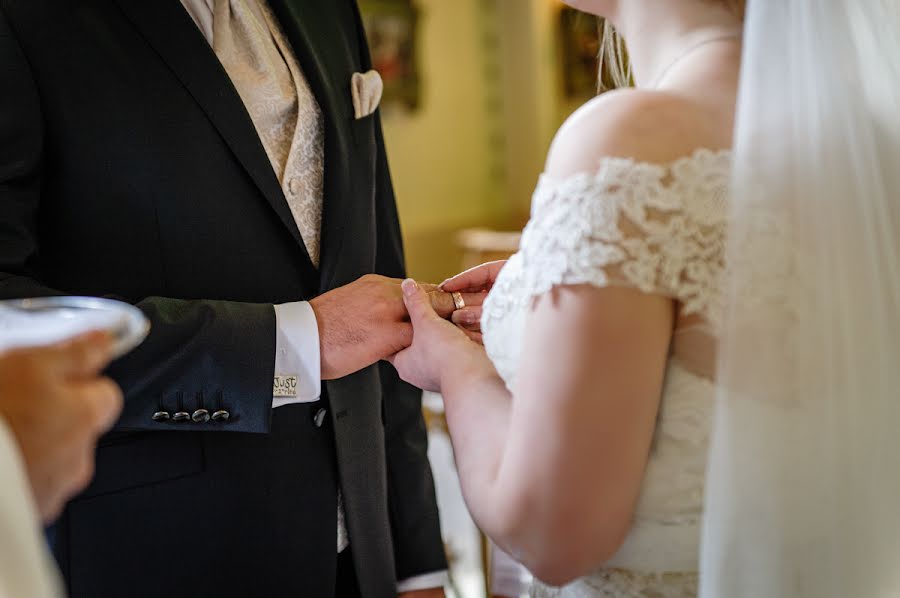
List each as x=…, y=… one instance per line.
x=130, y=168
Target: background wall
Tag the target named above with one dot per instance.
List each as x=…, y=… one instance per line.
x=532, y=88
x=491, y=102
x=441, y=156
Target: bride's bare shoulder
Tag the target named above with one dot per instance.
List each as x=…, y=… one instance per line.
x=646, y=126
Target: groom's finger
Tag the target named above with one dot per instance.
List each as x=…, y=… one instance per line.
x=443, y=303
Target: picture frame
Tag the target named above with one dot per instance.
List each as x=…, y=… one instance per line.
x=579, y=52
x=392, y=30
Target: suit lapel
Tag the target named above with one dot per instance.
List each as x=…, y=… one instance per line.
x=325, y=48
x=174, y=36
x=328, y=61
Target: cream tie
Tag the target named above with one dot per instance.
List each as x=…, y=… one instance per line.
x=261, y=64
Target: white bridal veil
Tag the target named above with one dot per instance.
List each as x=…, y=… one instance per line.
x=803, y=494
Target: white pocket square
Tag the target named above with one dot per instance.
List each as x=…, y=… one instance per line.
x=366, y=89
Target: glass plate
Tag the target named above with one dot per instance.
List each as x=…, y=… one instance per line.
x=47, y=320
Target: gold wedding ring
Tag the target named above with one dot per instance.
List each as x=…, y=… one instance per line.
x=458, y=300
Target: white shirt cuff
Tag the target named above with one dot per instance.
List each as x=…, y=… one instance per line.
x=298, y=364
x=429, y=581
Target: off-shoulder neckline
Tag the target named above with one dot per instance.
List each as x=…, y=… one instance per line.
x=658, y=168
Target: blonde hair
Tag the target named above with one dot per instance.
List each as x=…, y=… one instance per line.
x=615, y=68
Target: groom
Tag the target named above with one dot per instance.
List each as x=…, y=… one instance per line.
x=210, y=162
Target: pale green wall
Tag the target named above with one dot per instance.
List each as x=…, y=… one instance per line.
x=441, y=156
x=471, y=154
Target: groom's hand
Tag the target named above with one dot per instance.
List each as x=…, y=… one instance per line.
x=366, y=321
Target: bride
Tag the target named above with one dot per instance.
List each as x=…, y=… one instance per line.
x=582, y=429
x=581, y=436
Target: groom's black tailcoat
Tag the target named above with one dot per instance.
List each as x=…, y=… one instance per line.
x=130, y=168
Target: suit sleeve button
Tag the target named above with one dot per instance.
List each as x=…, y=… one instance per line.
x=220, y=416
x=200, y=416
x=161, y=416
x=181, y=416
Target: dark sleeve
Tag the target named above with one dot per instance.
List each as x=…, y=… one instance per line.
x=200, y=354
x=418, y=546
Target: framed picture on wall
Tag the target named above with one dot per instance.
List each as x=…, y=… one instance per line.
x=580, y=40
x=391, y=26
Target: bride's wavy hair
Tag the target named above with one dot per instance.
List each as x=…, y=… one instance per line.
x=615, y=68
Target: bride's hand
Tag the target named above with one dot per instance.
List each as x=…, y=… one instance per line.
x=438, y=349
x=476, y=281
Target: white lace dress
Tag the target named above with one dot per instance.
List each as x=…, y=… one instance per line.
x=659, y=229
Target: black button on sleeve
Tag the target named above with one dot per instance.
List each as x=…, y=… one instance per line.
x=161, y=416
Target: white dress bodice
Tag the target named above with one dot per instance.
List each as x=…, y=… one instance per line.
x=659, y=229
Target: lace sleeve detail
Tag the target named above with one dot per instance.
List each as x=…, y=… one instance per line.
x=659, y=229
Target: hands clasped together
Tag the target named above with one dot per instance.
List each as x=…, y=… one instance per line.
x=420, y=328
x=404, y=322
x=442, y=348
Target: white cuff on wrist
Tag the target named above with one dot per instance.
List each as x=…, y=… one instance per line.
x=298, y=365
x=429, y=581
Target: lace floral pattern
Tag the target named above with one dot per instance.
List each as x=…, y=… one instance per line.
x=616, y=583
x=660, y=229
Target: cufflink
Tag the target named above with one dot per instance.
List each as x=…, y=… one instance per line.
x=161, y=416
x=284, y=387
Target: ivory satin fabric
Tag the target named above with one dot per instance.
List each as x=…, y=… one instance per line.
x=259, y=61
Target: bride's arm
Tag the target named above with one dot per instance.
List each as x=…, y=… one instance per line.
x=553, y=474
